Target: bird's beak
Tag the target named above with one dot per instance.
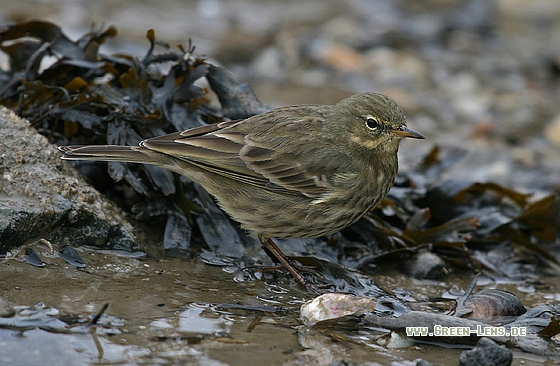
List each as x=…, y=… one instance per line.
x=404, y=131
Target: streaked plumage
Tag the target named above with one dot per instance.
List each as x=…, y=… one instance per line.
x=294, y=172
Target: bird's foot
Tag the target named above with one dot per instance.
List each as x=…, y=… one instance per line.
x=295, y=268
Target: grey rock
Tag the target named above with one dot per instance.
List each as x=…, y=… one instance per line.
x=41, y=196
x=486, y=352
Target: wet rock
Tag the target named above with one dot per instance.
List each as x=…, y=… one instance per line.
x=42, y=197
x=486, y=352
x=337, y=56
x=422, y=362
x=396, y=68
x=539, y=10
x=552, y=131
x=425, y=265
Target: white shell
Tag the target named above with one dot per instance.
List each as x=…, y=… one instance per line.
x=334, y=306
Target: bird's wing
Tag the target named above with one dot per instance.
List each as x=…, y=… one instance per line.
x=301, y=170
x=228, y=149
x=215, y=153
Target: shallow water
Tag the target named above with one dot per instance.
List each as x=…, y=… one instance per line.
x=493, y=98
x=169, y=310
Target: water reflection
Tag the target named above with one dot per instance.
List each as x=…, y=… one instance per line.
x=191, y=320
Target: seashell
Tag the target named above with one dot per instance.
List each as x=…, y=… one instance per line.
x=334, y=306
x=490, y=303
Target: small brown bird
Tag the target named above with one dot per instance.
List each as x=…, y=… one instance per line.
x=294, y=172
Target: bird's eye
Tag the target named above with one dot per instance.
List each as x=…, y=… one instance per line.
x=372, y=123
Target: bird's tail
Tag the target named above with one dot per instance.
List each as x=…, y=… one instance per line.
x=130, y=154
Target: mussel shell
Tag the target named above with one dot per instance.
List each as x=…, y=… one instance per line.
x=492, y=303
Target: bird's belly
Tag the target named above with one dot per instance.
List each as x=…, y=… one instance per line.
x=276, y=215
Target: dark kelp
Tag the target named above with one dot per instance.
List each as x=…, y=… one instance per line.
x=87, y=97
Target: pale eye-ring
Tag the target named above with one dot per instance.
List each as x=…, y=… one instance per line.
x=372, y=123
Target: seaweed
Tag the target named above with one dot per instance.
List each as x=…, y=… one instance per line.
x=84, y=96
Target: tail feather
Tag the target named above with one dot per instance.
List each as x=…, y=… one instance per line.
x=130, y=154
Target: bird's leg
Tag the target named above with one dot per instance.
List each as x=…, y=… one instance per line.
x=276, y=254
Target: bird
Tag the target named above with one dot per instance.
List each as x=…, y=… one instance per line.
x=301, y=171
